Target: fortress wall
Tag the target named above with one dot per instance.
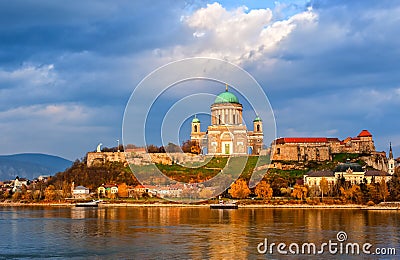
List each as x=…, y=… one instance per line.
x=97, y=158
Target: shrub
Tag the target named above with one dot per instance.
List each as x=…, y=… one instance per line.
x=370, y=203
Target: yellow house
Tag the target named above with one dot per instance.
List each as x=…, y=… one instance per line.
x=107, y=190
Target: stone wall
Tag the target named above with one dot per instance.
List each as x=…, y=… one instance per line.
x=301, y=152
x=319, y=151
x=98, y=158
x=377, y=161
x=142, y=158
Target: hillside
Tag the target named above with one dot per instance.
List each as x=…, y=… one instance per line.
x=30, y=165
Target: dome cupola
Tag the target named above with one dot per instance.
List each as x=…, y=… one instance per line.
x=226, y=97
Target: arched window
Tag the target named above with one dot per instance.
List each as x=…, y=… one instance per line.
x=258, y=128
x=195, y=128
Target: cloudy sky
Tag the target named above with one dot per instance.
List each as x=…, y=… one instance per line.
x=67, y=69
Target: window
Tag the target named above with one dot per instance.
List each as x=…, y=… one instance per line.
x=258, y=128
x=278, y=151
x=195, y=128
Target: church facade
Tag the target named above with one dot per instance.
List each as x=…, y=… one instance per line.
x=227, y=135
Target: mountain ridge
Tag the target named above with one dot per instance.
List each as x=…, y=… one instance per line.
x=31, y=165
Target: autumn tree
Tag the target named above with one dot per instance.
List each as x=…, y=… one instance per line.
x=16, y=196
x=383, y=190
x=191, y=146
x=277, y=182
x=394, y=186
x=153, y=149
x=299, y=191
x=206, y=193
x=239, y=189
x=172, y=148
x=323, y=186
x=50, y=193
x=123, y=190
x=7, y=194
x=285, y=191
x=263, y=190
x=353, y=194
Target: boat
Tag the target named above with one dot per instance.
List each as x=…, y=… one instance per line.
x=94, y=203
x=223, y=205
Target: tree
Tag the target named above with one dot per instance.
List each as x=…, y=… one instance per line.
x=123, y=190
x=190, y=146
x=50, y=193
x=277, y=182
x=324, y=186
x=7, y=194
x=352, y=194
x=285, y=191
x=383, y=190
x=153, y=149
x=373, y=192
x=206, y=193
x=16, y=196
x=172, y=148
x=299, y=191
x=263, y=190
x=239, y=189
x=394, y=186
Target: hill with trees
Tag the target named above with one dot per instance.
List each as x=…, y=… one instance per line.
x=31, y=165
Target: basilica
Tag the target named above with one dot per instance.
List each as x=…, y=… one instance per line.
x=227, y=135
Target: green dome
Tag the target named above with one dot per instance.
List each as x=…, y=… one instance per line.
x=226, y=97
x=257, y=119
x=195, y=120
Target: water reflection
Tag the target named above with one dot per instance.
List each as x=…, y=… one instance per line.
x=197, y=233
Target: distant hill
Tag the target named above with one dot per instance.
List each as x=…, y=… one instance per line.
x=31, y=165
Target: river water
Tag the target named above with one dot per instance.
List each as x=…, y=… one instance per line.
x=194, y=233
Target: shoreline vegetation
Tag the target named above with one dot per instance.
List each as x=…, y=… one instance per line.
x=384, y=206
x=279, y=188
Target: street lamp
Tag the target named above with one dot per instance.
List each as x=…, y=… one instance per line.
x=118, y=146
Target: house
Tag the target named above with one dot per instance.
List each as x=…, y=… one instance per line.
x=106, y=190
x=138, y=191
x=80, y=192
x=18, y=183
x=351, y=172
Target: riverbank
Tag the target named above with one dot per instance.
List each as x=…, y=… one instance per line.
x=171, y=205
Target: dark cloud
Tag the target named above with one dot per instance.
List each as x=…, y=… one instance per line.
x=44, y=29
x=68, y=69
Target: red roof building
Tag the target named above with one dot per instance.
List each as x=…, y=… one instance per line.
x=320, y=148
x=364, y=133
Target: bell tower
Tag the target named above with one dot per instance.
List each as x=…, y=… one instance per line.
x=256, y=138
x=391, y=161
x=257, y=125
x=195, y=125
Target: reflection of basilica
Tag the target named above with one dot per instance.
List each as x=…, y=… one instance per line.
x=227, y=134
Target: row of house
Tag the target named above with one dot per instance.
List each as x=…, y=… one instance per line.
x=111, y=190
x=18, y=183
x=351, y=172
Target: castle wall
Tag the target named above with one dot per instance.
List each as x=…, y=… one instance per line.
x=97, y=158
x=301, y=152
x=320, y=151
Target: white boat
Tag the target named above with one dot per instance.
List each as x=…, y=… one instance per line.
x=223, y=205
x=94, y=203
